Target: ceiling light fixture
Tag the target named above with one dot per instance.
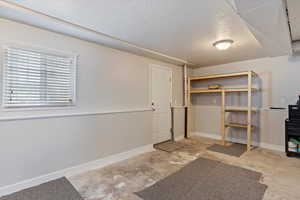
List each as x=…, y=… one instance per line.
x=223, y=44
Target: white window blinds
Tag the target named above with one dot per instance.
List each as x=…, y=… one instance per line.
x=34, y=78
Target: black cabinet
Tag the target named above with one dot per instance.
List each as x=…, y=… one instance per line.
x=292, y=131
x=294, y=112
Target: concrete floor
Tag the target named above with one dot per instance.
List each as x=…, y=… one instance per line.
x=119, y=181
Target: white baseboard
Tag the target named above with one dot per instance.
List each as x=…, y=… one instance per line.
x=75, y=170
x=180, y=137
x=273, y=147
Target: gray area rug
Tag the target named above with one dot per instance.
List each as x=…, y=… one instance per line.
x=60, y=189
x=169, y=146
x=232, y=150
x=206, y=179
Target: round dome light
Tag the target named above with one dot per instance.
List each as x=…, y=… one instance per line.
x=223, y=44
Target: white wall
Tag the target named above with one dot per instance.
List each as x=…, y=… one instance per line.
x=279, y=80
x=108, y=79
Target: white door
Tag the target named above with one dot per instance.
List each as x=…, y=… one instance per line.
x=161, y=82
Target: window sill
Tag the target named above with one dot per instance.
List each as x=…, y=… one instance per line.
x=37, y=108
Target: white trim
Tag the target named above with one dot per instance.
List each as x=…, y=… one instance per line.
x=207, y=135
x=37, y=108
x=75, y=114
x=4, y=73
x=273, y=147
x=180, y=137
x=150, y=86
x=75, y=170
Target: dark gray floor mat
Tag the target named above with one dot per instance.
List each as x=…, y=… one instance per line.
x=233, y=150
x=208, y=180
x=60, y=189
x=169, y=146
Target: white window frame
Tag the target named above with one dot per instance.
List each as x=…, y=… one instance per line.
x=73, y=56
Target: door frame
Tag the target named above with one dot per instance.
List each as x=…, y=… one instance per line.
x=150, y=82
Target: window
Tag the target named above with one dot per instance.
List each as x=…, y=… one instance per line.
x=33, y=78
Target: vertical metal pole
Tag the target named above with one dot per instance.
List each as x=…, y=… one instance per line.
x=223, y=119
x=189, y=109
x=172, y=124
x=185, y=122
x=185, y=83
x=249, y=121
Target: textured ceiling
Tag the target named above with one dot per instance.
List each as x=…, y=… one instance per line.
x=181, y=29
